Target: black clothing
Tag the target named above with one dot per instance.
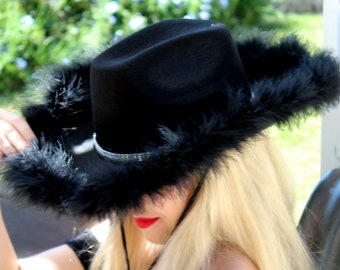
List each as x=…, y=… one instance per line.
x=85, y=246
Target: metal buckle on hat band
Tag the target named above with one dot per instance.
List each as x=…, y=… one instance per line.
x=119, y=157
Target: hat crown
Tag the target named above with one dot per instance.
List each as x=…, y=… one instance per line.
x=160, y=76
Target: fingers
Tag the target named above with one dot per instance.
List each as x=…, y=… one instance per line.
x=19, y=124
x=15, y=133
x=10, y=138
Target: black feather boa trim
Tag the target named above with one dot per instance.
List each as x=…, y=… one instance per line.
x=286, y=83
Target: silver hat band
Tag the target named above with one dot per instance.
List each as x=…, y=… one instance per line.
x=119, y=157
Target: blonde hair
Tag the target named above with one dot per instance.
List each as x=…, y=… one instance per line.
x=246, y=204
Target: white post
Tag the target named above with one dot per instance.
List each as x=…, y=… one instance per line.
x=330, y=128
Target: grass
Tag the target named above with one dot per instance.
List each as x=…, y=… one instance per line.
x=309, y=27
x=301, y=145
x=301, y=148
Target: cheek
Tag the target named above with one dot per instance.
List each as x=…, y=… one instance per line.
x=174, y=208
x=171, y=209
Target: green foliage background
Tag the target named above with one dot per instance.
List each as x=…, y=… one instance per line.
x=37, y=33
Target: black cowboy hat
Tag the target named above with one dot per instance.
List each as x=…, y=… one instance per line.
x=167, y=101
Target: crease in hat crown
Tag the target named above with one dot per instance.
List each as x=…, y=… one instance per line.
x=157, y=77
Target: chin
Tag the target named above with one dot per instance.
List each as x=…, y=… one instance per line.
x=157, y=240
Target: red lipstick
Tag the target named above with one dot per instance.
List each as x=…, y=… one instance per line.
x=143, y=222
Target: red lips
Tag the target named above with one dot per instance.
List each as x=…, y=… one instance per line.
x=143, y=222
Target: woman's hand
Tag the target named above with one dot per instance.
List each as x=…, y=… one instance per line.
x=15, y=133
x=15, y=136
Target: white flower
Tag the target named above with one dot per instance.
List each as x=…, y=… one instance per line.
x=27, y=20
x=204, y=15
x=111, y=7
x=190, y=16
x=137, y=22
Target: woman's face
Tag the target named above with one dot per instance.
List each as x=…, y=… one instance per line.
x=158, y=218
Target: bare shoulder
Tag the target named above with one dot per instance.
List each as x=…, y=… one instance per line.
x=58, y=258
x=231, y=259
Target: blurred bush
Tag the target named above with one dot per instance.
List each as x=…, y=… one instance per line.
x=37, y=33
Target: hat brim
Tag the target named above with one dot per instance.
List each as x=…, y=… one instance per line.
x=50, y=174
